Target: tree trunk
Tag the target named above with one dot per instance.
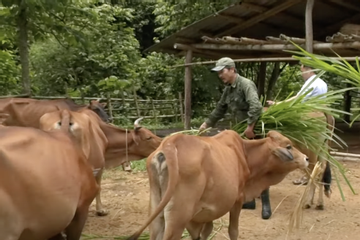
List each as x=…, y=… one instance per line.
x=22, y=24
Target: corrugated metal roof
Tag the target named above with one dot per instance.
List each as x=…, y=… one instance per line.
x=328, y=18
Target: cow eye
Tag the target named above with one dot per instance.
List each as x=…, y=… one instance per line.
x=288, y=147
x=148, y=138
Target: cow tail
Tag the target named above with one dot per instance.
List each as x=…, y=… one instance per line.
x=326, y=179
x=65, y=120
x=169, y=157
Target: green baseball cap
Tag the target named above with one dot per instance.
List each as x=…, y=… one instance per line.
x=222, y=63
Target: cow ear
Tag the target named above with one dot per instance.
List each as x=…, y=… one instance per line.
x=103, y=104
x=284, y=154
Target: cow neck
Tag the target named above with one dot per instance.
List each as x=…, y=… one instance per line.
x=256, y=161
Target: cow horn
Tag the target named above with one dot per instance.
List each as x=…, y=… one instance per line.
x=136, y=123
x=98, y=100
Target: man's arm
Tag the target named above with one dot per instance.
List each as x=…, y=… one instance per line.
x=219, y=110
x=255, y=107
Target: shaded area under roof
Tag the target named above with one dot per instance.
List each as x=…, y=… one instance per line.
x=260, y=28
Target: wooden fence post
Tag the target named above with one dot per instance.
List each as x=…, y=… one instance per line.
x=181, y=107
x=109, y=105
x=136, y=103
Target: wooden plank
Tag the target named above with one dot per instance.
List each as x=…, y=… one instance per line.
x=309, y=26
x=276, y=47
x=278, y=59
x=260, y=17
x=188, y=77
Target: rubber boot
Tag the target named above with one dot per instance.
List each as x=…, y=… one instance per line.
x=266, y=207
x=249, y=205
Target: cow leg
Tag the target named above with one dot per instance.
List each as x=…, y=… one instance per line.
x=234, y=221
x=75, y=228
x=100, y=211
x=207, y=230
x=194, y=230
x=320, y=203
x=310, y=197
x=58, y=237
x=266, y=206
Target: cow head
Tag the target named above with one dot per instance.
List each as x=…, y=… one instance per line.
x=98, y=108
x=282, y=150
x=145, y=141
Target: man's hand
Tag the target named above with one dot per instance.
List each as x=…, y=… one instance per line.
x=249, y=132
x=203, y=126
x=270, y=102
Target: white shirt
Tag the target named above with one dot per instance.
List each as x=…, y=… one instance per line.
x=318, y=87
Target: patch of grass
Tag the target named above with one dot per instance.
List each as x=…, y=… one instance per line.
x=139, y=165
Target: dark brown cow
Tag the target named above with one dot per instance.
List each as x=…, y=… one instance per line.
x=27, y=112
x=195, y=180
x=46, y=184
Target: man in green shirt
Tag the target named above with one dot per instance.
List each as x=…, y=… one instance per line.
x=240, y=97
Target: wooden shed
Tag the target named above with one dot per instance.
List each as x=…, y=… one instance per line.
x=259, y=31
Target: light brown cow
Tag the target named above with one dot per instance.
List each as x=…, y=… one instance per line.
x=26, y=112
x=195, y=180
x=46, y=184
x=101, y=140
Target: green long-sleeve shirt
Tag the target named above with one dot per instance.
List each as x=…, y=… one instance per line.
x=241, y=99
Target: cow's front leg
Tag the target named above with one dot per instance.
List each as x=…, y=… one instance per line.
x=234, y=220
x=100, y=211
x=266, y=206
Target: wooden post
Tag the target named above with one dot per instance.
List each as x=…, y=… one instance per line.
x=136, y=103
x=188, y=90
x=176, y=110
x=347, y=103
x=109, y=105
x=309, y=26
x=261, y=79
x=181, y=107
x=154, y=111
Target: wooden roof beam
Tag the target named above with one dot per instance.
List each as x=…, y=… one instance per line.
x=346, y=5
x=335, y=27
x=275, y=47
x=258, y=18
x=261, y=9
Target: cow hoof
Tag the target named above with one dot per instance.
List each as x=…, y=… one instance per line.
x=102, y=213
x=307, y=206
x=320, y=207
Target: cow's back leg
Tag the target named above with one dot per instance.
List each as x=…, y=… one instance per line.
x=194, y=229
x=176, y=221
x=207, y=230
x=157, y=226
x=75, y=228
x=100, y=211
x=234, y=221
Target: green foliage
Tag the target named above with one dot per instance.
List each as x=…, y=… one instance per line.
x=107, y=64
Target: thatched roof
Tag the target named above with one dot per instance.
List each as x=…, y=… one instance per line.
x=261, y=28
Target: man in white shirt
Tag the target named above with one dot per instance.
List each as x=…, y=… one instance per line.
x=318, y=85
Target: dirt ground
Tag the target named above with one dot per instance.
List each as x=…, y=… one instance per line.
x=126, y=195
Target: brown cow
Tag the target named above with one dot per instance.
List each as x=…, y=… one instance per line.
x=27, y=112
x=101, y=140
x=212, y=176
x=46, y=184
